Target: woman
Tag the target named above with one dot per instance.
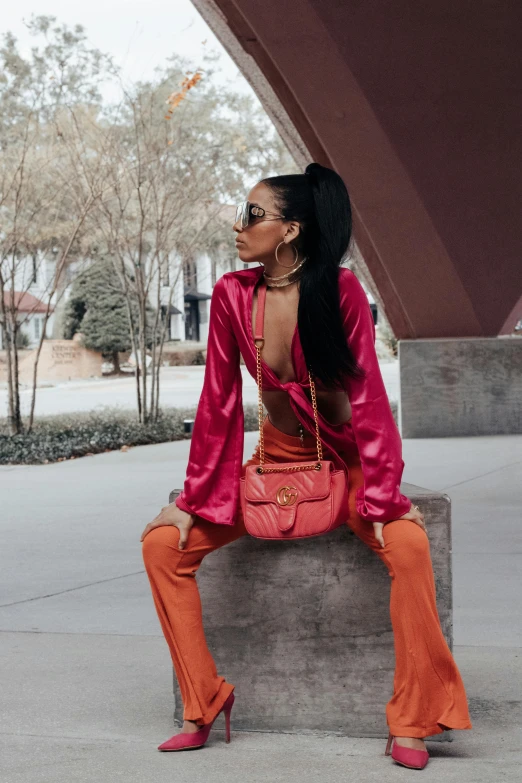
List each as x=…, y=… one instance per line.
x=297, y=230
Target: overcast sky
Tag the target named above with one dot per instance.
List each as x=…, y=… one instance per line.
x=139, y=34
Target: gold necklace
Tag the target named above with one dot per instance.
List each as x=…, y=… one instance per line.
x=280, y=277
x=273, y=282
x=279, y=285
x=301, y=434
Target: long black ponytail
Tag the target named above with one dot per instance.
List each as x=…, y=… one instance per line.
x=319, y=201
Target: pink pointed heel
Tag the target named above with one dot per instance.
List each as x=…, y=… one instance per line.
x=408, y=757
x=187, y=741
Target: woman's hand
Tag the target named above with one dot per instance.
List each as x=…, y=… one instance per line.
x=172, y=515
x=415, y=514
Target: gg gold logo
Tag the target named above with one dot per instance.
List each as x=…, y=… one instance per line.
x=286, y=496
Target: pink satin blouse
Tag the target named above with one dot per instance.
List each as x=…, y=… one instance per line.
x=211, y=488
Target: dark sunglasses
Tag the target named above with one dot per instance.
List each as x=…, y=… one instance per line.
x=246, y=213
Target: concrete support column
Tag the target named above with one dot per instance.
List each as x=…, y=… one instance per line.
x=460, y=386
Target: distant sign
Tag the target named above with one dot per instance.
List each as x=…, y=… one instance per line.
x=65, y=354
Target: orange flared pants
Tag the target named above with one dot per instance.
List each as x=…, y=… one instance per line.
x=428, y=692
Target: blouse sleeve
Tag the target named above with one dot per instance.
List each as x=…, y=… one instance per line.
x=211, y=488
x=376, y=433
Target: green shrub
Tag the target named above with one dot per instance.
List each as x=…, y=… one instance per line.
x=56, y=438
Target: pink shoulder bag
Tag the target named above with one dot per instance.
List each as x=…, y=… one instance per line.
x=290, y=499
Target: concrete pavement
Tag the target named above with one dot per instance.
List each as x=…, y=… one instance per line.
x=180, y=387
x=86, y=678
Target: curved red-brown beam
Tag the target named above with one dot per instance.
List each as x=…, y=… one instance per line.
x=417, y=106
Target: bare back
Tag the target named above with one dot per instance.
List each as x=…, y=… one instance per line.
x=279, y=327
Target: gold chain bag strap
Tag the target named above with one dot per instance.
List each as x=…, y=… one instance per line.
x=290, y=499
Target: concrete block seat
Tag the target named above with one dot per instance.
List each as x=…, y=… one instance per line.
x=303, y=630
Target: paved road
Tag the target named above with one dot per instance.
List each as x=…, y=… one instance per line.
x=85, y=676
x=180, y=387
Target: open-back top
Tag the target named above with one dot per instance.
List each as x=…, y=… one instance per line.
x=211, y=488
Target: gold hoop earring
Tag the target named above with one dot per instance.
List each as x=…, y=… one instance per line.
x=296, y=255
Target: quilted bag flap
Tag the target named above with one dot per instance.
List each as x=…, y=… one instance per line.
x=288, y=488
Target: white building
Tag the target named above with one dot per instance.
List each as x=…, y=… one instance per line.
x=192, y=294
x=32, y=282
x=185, y=291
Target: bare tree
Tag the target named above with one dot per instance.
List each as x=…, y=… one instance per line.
x=143, y=182
x=43, y=207
x=170, y=175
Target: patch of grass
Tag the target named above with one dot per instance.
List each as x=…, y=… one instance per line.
x=67, y=436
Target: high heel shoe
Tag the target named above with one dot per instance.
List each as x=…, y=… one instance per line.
x=408, y=757
x=189, y=741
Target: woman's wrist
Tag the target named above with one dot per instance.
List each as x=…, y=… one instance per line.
x=188, y=517
x=180, y=503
